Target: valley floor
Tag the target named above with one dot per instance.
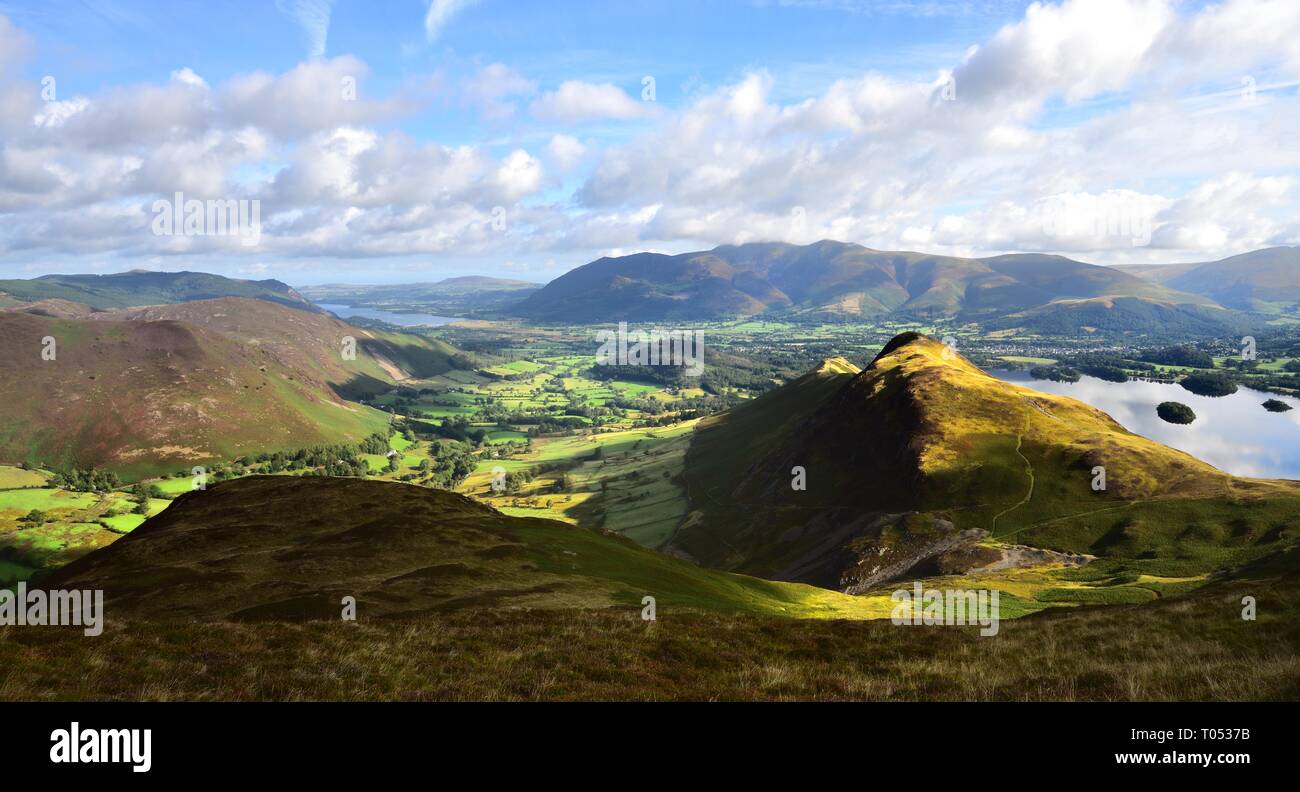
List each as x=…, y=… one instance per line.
x=1191, y=648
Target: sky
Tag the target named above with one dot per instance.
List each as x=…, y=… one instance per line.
x=411, y=140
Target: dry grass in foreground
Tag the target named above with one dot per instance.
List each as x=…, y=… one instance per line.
x=1195, y=648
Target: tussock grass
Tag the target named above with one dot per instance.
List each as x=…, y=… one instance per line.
x=1195, y=648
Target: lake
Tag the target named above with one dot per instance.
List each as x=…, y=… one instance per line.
x=398, y=319
x=1233, y=433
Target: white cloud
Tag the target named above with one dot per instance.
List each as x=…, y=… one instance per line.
x=440, y=13
x=313, y=17
x=186, y=75
x=1114, y=115
x=577, y=101
x=565, y=151
x=1077, y=50
x=492, y=88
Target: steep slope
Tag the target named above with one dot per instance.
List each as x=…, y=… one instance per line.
x=139, y=287
x=310, y=342
x=825, y=279
x=1265, y=280
x=289, y=548
x=923, y=454
x=152, y=390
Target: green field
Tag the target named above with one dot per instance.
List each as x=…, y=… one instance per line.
x=14, y=478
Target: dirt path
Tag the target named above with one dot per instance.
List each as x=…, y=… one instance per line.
x=1029, y=471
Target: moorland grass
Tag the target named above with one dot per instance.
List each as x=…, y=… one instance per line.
x=1196, y=649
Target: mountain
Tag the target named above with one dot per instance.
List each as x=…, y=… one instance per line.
x=1118, y=315
x=1265, y=280
x=826, y=279
x=289, y=548
x=922, y=458
x=140, y=287
x=466, y=296
x=149, y=390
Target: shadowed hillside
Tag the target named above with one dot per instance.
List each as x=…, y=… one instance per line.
x=290, y=548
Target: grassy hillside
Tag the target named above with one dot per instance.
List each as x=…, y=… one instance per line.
x=1123, y=315
x=825, y=280
x=290, y=548
x=139, y=287
x=1263, y=280
x=922, y=454
x=144, y=391
x=1194, y=648
x=311, y=342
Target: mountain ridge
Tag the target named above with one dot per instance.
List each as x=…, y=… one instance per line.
x=825, y=279
x=1266, y=280
x=922, y=453
x=146, y=287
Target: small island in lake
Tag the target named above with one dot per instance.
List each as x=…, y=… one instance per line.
x=1105, y=372
x=1276, y=405
x=1054, y=373
x=1175, y=412
x=1209, y=383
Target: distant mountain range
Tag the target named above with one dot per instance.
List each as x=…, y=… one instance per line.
x=1265, y=280
x=156, y=389
x=912, y=465
x=830, y=280
x=140, y=287
x=826, y=280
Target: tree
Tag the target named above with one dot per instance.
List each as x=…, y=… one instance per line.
x=1175, y=412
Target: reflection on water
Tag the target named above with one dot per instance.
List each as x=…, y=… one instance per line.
x=1233, y=433
x=399, y=319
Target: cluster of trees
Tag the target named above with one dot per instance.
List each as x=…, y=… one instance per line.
x=1175, y=412
x=88, y=480
x=1209, y=383
x=1183, y=355
x=449, y=463
x=1054, y=373
x=455, y=427
x=1111, y=368
x=554, y=425
x=332, y=460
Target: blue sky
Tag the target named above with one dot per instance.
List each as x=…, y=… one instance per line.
x=514, y=139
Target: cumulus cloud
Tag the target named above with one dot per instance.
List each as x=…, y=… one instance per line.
x=492, y=88
x=565, y=151
x=576, y=101
x=975, y=161
x=1109, y=130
